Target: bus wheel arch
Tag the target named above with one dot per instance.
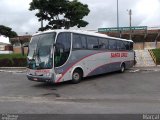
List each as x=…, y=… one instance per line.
x=77, y=75
x=122, y=67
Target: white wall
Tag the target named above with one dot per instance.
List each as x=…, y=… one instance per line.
x=6, y=52
x=4, y=39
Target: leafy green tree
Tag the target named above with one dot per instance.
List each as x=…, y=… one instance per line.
x=76, y=12
x=60, y=13
x=7, y=31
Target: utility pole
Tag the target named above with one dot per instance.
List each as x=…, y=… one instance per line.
x=117, y=15
x=118, y=18
x=130, y=23
x=41, y=23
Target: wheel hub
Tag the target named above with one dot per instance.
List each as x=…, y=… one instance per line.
x=76, y=76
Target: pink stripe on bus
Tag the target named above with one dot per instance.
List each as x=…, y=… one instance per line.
x=75, y=64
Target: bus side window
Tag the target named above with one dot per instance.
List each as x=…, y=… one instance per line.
x=112, y=45
x=131, y=45
x=62, y=51
x=84, y=41
x=127, y=45
x=92, y=42
x=120, y=45
x=77, y=43
x=103, y=43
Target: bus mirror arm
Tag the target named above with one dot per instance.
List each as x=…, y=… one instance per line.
x=54, y=44
x=25, y=45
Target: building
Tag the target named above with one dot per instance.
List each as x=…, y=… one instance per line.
x=144, y=37
x=19, y=43
x=5, y=47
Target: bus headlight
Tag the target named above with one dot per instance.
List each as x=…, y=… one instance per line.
x=28, y=72
x=48, y=74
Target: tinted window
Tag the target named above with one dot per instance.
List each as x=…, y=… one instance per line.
x=127, y=45
x=92, y=42
x=120, y=45
x=84, y=41
x=131, y=45
x=62, y=49
x=112, y=45
x=103, y=43
x=77, y=43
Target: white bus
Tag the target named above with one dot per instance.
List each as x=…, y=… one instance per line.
x=61, y=55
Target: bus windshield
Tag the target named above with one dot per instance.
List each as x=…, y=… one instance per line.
x=40, y=51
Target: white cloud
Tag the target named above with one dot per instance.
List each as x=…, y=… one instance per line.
x=15, y=14
x=148, y=10
x=4, y=39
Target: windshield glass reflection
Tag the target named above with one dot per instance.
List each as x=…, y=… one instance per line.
x=40, y=51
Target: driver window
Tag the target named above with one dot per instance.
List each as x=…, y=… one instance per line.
x=62, y=49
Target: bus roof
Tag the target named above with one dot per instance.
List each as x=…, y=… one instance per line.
x=82, y=32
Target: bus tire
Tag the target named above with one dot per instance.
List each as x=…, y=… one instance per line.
x=77, y=76
x=122, y=70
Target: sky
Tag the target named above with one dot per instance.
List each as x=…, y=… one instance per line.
x=103, y=14
x=4, y=39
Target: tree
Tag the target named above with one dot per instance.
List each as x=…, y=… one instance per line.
x=60, y=13
x=7, y=31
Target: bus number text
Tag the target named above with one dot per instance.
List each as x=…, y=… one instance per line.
x=118, y=55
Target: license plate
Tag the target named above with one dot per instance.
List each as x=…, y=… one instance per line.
x=35, y=79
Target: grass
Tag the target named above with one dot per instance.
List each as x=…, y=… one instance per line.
x=11, y=56
x=13, y=60
x=157, y=55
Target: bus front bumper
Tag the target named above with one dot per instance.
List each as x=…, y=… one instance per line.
x=41, y=78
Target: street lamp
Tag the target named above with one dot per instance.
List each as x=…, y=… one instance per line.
x=130, y=22
x=117, y=15
x=118, y=19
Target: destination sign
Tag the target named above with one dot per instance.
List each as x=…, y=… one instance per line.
x=115, y=29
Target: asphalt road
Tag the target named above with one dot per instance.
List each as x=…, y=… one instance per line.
x=130, y=92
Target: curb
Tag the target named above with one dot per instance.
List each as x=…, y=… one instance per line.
x=7, y=71
x=145, y=68
x=13, y=68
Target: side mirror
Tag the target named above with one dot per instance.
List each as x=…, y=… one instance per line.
x=25, y=45
x=54, y=44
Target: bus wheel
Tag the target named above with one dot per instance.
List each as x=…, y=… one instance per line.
x=77, y=76
x=122, y=68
